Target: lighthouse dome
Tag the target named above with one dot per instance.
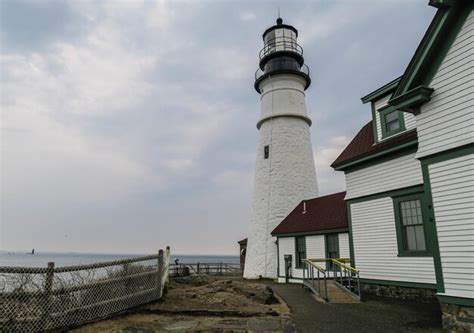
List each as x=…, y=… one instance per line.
x=281, y=54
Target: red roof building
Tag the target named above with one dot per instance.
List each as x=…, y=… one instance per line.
x=325, y=213
x=363, y=146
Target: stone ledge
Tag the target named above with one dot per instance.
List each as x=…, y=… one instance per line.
x=405, y=293
x=458, y=318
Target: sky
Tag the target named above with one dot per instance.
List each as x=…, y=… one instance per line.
x=127, y=126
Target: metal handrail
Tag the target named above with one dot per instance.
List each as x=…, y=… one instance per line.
x=348, y=278
x=344, y=275
x=309, y=281
x=282, y=43
x=348, y=267
x=320, y=268
x=328, y=259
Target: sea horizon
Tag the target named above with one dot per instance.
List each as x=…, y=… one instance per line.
x=41, y=259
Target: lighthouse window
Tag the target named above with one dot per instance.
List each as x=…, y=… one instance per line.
x=266, y=152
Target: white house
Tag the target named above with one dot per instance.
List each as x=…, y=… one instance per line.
x=410, y=174
x=316, y=228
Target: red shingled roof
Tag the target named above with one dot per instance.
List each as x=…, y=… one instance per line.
x=322, y=213
x=363, y=144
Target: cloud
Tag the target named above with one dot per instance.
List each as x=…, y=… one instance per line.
x=330, y=181
x=131, y=125
x=247, y=16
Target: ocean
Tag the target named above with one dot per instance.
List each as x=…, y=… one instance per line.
x=67, y=259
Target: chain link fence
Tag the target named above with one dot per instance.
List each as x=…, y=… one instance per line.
x=52, y=298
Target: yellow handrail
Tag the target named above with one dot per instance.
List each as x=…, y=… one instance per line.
x=339, y=261
x=329, y=259
x=314, y=265
x=355, y=270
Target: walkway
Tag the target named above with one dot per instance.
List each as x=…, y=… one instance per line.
x=310, y=315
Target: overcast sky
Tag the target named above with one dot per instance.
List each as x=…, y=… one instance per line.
x=127, y=126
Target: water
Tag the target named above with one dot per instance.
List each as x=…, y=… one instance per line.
x=68, y=259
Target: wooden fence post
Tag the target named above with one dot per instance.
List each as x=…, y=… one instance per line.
x=168, y=259
x=161, y=270
x=198, y=268
x=48, y=286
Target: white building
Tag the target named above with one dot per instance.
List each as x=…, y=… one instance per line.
x=316, y=228
x=410, y=175
x=285, y=172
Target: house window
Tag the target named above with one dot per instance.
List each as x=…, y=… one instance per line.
x=332, y=249
x=410, y=225
x=300, y=246
x=392, y=121
x=266, y=152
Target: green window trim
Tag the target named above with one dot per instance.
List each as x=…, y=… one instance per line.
x=401, y=242
x=465, y=301
x=383, y=113
x=300, y=251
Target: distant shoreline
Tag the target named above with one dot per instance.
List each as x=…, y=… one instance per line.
x=41, y=259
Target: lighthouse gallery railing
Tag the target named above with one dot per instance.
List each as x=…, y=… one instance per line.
x=282, y=43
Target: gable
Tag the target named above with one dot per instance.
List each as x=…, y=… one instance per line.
x=413, y=89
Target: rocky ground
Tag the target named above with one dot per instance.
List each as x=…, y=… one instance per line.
x=210, y=304
x=206, y=304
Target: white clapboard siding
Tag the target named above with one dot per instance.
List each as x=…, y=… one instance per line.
x=447, y=120
x=315, y=246
x=376, y=249
x=452, y=187
x=344, y=251
x=409, y=119
x=286, y=245
x=390, y=175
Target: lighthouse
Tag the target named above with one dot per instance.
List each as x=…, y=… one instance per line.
x=284, y=173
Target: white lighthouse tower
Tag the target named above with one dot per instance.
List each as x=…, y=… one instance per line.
x=285, y=172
